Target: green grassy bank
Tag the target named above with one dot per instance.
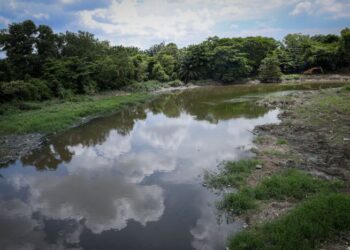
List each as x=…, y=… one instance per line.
x=53, y=116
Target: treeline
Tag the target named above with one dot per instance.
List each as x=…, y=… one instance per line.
x=41, y=64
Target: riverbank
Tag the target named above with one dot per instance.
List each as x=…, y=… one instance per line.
x=24, y=127
x=296, y=197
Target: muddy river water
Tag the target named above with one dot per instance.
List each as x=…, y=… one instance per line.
x=132, y=180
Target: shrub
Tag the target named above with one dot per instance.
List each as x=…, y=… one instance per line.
x=42, y=90
x=346, y=88
x=175, y=83
x=32, y=90
x=269, y=70
x=143, y=86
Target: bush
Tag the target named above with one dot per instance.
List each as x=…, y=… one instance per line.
x=143, y=86
x=66, y=94
x=43, y=92
x=346, y=88
x=28, y=106
x=269, y=70
x=32, y=90
x=175, y=83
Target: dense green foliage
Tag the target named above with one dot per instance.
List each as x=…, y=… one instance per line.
x=41, y=64
x=269, y=70
x=303, y=228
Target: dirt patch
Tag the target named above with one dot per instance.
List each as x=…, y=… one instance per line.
x=13, y=147
x=341, y=242
x=274, y=157
x=317, y=139
x=268, y=211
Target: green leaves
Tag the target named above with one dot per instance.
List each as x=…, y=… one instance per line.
x=269, y=70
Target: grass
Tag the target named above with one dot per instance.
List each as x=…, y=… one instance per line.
x=233, y=173
x=291, y=77
x=288, y=184
x=281, y=141
x=322, y=211
x=325, y=106
x=276, y=153
x=261, y=139
x=346, y=88
x=303, y=228
x=330, y=111
x=151, y=85
x=53, y=116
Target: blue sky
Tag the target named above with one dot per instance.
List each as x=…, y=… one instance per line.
x=145, y=22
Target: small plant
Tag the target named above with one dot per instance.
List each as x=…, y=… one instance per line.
x=281, y=141
x=234, y=173
x=240, y=202
x=175, y=83
x=291, y=77
x=346, y=88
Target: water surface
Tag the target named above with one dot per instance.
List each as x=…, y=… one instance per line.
x=132, y=180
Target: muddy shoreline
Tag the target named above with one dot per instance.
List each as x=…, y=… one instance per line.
x=13, y=147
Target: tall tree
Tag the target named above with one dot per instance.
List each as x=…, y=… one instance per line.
x=345, y=45
x=18, y=42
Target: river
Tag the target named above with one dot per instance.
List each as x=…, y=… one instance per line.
x=134, y=179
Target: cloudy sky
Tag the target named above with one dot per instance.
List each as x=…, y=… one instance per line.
x=145, y=22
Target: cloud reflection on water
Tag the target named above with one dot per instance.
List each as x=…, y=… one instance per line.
x=125, y=176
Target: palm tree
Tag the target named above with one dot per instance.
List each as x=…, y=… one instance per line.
x=188, y=72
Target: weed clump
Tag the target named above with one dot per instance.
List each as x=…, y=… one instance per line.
x=233, y=173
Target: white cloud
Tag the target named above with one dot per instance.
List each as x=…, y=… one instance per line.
x=4, y=21
x=302, y=7
x=261, y=31
x=69, y=1
x=41, y=16
x=20, y=230
x=105, y=202
x=178, y=21
x=331, y=8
